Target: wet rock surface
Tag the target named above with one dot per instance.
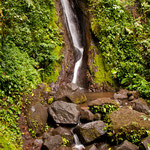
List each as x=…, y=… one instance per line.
x=64, y=113
x=102, y=101
x=90, y=131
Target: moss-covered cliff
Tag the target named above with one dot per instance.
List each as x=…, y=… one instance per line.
x=122, y=30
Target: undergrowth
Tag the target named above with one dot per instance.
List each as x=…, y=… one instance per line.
x=29, y=53
x=124, y=40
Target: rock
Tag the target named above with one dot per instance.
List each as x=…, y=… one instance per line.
x=37, y=144
x=102, y=101
x=121, y=95
x=126, y=145
x=87, y=116
x=91, y=147
x=128, y=118
x=133, y=94
x=64, y=148
x=37, y=118
x=64, y=113
x=145, y=142
x=97, y=116
x=66, y=90
x=52, y=142
x=140, y=105
x=103, y=146
x=77, y=98
x=64, y=132
x=90, y=131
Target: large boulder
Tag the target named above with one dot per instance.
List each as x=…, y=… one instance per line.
x=126, y=145
x=51, y=142
x=129, y=119
x=145, y=142
x=90, y=131
x=66, y=90
x=140, y=105
x=64, y=113
x=65, y=133
x=37, y=118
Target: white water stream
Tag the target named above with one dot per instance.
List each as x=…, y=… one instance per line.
x=78, y=145
x=72, y=23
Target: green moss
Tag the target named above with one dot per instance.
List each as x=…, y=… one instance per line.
x=102, y=74
x=8, y=140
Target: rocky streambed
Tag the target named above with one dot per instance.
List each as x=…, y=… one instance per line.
x=101, y=121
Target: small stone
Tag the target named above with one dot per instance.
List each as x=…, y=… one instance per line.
x=91, y=147
x=126, y=145
x=87, y=115
x=140, y=105
x=122, y=94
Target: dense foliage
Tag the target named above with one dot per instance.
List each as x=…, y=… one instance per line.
x=29, y=52
x=123, y=31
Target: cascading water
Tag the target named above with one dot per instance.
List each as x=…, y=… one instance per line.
x=72, y=23
x=78, y=145
x=74, y=31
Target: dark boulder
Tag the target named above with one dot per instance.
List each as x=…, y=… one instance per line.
x=51, y=142
x=65, y=133
x=64, y=113
x=140, y=105
x=90, y=131
x=126, y=145
x=37, y=118
x=145, y=142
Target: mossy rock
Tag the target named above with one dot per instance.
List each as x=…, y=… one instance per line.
x=128, y=124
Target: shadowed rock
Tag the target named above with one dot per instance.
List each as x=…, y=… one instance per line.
x=64, y=113
x=91, y=147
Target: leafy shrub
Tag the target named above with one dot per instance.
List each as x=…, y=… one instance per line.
x=105, y=110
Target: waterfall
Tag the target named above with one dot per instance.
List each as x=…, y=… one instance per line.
x=78, y=145
x=72, y=23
